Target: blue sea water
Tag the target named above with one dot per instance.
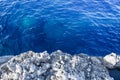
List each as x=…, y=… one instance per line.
x=73, y=26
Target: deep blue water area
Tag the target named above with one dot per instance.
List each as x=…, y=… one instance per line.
x=115, y=73
x=73, y=26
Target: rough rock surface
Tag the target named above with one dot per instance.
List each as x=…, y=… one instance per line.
x=57, y=66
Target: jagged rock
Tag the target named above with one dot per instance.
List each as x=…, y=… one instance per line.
x=54, y=66
x=112, y=61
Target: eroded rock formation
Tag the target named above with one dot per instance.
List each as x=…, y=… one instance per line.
x=58, y=66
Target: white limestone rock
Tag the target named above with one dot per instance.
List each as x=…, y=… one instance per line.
x=112, y=61
x=54, y=66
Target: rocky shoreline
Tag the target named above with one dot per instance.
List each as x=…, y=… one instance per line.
x=57, y=66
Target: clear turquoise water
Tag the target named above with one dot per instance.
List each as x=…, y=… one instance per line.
x=73, y=26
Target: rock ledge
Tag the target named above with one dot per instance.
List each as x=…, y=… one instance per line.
x=58, y=66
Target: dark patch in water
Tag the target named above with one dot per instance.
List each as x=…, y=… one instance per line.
x=115, y=73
